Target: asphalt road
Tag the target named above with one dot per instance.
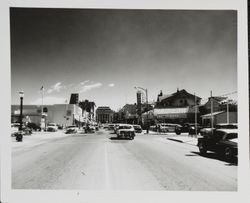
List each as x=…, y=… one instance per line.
x=100, y=162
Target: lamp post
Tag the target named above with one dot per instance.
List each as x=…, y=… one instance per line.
x=21, y=95
x=146, y=92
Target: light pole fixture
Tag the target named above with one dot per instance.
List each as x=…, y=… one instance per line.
x=21, y=95
x=146, y=92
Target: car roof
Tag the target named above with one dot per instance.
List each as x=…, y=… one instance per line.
x=125, y=125
x=228, y=130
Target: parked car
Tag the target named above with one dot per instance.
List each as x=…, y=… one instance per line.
x=222, y=141
x=152, y=128
x=52, y=127
x=71, y=129
x=105, y=125
x=14, y=129
x=126, y=131
x=96, y=126
x=89, y=129
x=111, y=126
x=34, y=126
x=188, y=128
x=166, y=127
x=59, y=127
x=209, y=130
x=137, y=128
x=226, y=126
x=116, y=127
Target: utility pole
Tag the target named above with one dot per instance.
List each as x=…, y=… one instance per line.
x=195, y=114
x=147, y=109
x=228, y=111
x=211, y=101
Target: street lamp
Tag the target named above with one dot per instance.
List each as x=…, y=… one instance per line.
x=21, y=95
x=146, y=91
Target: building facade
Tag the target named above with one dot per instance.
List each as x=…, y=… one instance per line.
x=178, y=107
x=219, y=117
x=62, y=114
x=104, y=114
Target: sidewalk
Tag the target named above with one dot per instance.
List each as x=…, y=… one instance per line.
x=184, y=138
x=36, y=138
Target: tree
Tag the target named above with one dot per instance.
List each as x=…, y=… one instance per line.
x=87, y=106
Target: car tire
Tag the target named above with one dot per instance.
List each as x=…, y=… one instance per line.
x=178, y=132
x=228, y=154
x=202, y=148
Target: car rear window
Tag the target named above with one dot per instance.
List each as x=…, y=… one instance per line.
x=231, y=136
x=125, y=127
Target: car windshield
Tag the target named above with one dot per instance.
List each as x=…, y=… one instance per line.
x=125, y=127
x=231, y=136
x=71, y=126
x=51, y=124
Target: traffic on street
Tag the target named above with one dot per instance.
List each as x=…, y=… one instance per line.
x=102, y=161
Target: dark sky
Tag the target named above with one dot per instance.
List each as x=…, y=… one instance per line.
x=103, y=54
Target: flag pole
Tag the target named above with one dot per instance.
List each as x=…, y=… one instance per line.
x=42, y=124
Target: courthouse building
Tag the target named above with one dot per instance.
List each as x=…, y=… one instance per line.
x=104, y=114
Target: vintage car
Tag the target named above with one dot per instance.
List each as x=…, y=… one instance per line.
x=34, y=126
x=137, y=128
x=190, y=128
x=52, y=127
x=116, y=127
x=222, y=141
x=226, y=126
x=166, y=127
x=89, y=129
x=126, y=131
x=111, y=126
x=209, y=130
x=71, y=129
x=15, y=128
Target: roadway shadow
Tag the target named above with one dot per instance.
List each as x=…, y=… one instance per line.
x=211, y=155
x=117, y=138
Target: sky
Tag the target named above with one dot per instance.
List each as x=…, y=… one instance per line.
x=103, y=54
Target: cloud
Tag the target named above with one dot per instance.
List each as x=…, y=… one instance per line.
x=86, y=88
x=111, y=85
x=49, y=101
x=84, y=82
x=55, y=88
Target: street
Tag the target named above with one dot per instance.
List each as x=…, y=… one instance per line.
x=99, y=161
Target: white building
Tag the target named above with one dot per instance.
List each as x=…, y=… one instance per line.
x=62, y=114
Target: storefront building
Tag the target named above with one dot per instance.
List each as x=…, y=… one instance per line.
x=61, y=114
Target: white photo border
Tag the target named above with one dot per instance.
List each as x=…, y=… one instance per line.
x=242, y=195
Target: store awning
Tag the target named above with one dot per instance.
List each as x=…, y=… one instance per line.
x=206, y=116
x=171, y=112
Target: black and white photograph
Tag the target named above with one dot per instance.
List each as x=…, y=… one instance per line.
x=125, y=99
